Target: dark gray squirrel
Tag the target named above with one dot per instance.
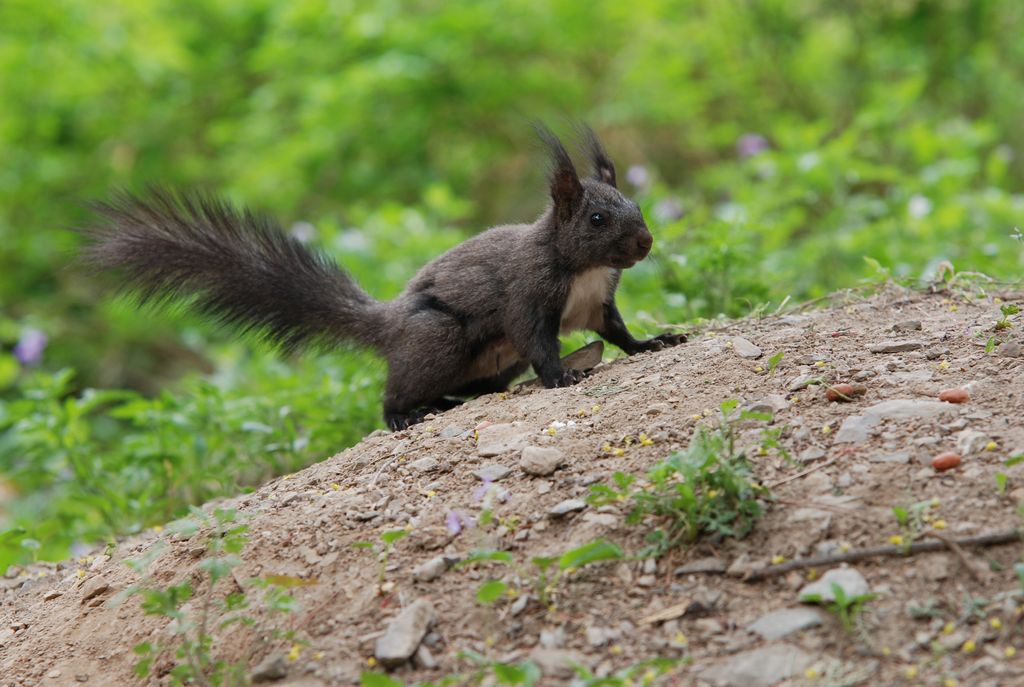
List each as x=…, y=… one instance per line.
x=468, y=323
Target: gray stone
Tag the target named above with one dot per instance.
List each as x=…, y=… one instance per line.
x=907, y=326
x=404, y=633
x=803, y=381
x=710, y=564
x=857, y=428
x=424, y=464
x=452, y=432
x=432, y=569
x=540, y=462
x=1010, y=349
x=424, y=659
x=271, y=668
x=761, y=667
x=557, y=663
x=970, y=441
x=900, y=457
x=566, y=507
x=492, y=472
x=811, y=453
x=896, y=346
x=849, y=580
x=786, y=621
x=494, y=440
x=745, y=349
x=94, y=588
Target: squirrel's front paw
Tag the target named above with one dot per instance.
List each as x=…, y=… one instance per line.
x=564, y=378
x=658, y=343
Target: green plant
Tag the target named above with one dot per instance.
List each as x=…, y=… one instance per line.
x=547, y=572
x=643, y=674
x=846, y=608
x=707, y=489
x=192, y=625
x=911, y=520
x=383, y=550
x=1007, y=310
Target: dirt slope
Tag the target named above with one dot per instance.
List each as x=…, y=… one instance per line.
x=932, y=615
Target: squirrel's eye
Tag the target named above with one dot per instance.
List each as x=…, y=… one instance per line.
x=597, y=219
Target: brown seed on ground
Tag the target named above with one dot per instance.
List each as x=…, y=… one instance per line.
x=844, y=392
x=946, y=461
x=954, y=396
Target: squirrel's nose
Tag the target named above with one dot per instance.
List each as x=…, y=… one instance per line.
x=644, y=241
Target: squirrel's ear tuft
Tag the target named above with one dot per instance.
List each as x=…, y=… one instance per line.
x=566, y=189
x=604, y=168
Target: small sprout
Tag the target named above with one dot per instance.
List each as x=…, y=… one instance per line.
x=819, y=363
x=551, y=431
x=935, y=502
x=618, y=451
x=595, y=408
x=695, y=417
x=371, y=661
x=645, y=440
x=758, y=369
x=953, y=308
x=606, y=447
x=812, y=574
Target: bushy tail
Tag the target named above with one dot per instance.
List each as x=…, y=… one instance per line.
x=237, y=267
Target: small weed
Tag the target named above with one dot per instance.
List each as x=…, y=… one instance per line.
x=547, y=572
x=383, y=549
x=1007, y=310
x=707, y=489
x=773, y=362
x=846, y=608
x=191, y=648
x=912, y=520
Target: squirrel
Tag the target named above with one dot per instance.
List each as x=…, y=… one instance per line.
x=468, y=323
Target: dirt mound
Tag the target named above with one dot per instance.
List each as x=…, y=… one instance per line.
x=952, y=614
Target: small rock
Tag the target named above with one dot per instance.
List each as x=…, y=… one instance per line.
x=540, y=462
x=493, y=440
x=710, y=564
x=970, y=441
x=849, y=580
x=492, y=472
x=786, y=621
x=811, y=453
x=803, y=381
x=601, y=519
x=93, y=588
x=81, y=677
x=53, y=674
x=600, y=636
x=273, y=667
x=552, y=639
x=423, y=658
x=907, y=326
x=761, y=667
x=557, y=663
x=745, y=349
x=51, y=595
x=432, y=569
x=566, y=507
x=1010, y=349
x=857, y=428
x=452, y=432
x=404, y=633
x=896, y=346
x=899, y=457
x=424, y=464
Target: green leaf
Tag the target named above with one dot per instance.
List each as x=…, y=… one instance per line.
x=524, y=674
x=1013, y=460
x=485, y=555
x=391, y=536
x=9, y=369
x=490, y=591
x=593, y=552
x=372, y=679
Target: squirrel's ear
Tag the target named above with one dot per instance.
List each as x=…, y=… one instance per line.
x=604, y=169
x=566, y=189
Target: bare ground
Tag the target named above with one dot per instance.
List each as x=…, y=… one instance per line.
x=939, y=618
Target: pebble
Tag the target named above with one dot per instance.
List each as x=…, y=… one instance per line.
x=786, y=621
x=849, y=580
x=558, y=663
x=761, y=667
x=900, y=457
x=271, y=668
x=907, y=326
x=492, y=472
x=540, y=462
x=565, y=507
x=896, y=346
x=811, y=453
x=452, y=432
x=424, y=464
x=970, y=441
x=494, y=440
x=745, y=349
x=1010, y=349
x=711, y=564
x=432, y=569
x=93, y=588
x=857, y=428
x=404, y=633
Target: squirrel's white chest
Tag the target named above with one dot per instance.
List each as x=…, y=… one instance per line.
x=584, y=308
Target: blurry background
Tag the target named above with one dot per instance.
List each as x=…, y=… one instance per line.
x=780, y=148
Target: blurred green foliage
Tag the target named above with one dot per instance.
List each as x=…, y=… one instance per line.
x=773, y=145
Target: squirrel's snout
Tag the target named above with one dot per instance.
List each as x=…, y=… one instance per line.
x=644, y=241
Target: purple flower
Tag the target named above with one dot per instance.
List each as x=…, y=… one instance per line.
x=29, y=349
x=750, y=145
x=481, y=491
x=637, y=176
x=453, y=523
x=668, y=209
